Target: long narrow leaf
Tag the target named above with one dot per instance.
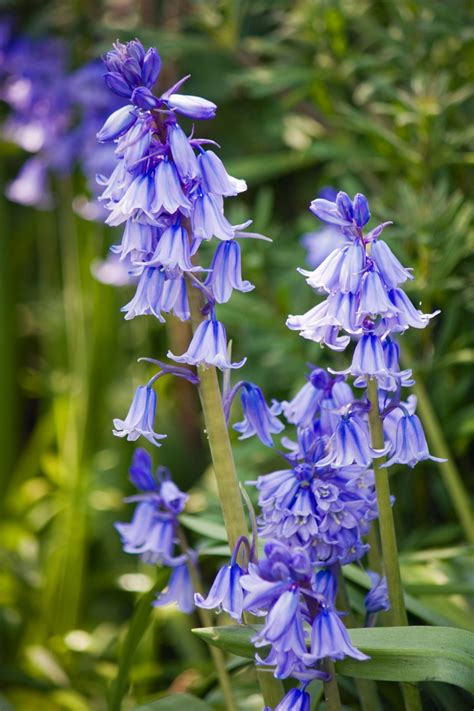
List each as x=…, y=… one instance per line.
x=410, y=654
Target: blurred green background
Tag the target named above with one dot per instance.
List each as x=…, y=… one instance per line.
x=371, y=96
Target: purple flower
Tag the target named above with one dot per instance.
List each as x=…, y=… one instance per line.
x=391, y=270
x=129, y=67
x=377, y=598
x=183, y=153
x=208, y=219
x=179, y=590
x=193, y=107
x=284, y=625
x=349, y=445
x=330, y=639
x=169, y=195
x=30, y=187
x=173, y=251
x=226, y=592
x=140, y=418
x=410, y=446
x=137, y=238
x=343, y=211
x=117, y=124
x=216, y=179
x=152, y=530
x=208, y=347
x=374, y=298
x=225, y=272
x=295, y=700
x=258, y=419
x=302, y=408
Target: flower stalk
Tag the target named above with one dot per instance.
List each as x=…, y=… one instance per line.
x=398, y=613
x=225, y=472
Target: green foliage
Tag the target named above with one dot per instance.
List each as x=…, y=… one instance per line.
x=365, y=96
x=174, y=703
x=413, y=654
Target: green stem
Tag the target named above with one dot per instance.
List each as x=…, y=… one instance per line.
x=331, y=689
x=225, y=472
x=374, y=554
x=366, y=688
x=448, y=470
x=398, y=613
x=386, y=522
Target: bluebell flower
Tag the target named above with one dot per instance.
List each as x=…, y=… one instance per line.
x=284, y=625
x=302, y=408
x=31, y=186
x=377, y=598
x=316, y=325
x=369, y=357
x=392, y=271
x=406, y=314
x=152, y=530
x=169, y=195
x=410, y=446
x=225, y=272
x=173, y=251
x=183, y=153
x=374, y=298
x=349, y=444
x=138, y=238
x=258, y=419
x=343, y=211
x=148, y=296
x=130, y=66
x=179, y=590
x=226, y=592
x=140, y=471
x=208, y=347
x=136, y=201
x=112, y=270
x=215, y=177
x=397, y=378
x=193, y=107
x=208, y=219
x=295, y=700
x=330, y=639
x=140, y=418
x=117, y=123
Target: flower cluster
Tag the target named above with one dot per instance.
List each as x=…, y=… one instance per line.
x=316, y=512
x=168, y=191
x=54, y=114
x=152, y=532
x=324, y=501
x=364, y=300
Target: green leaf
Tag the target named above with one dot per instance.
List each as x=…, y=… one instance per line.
x=138, y=625
x=176, y=702
x=207, y=528
x=411, y=654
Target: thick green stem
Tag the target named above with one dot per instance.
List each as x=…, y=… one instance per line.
x=224, y=468
x=331, y=689
x=398, y=613
x=386, y=522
